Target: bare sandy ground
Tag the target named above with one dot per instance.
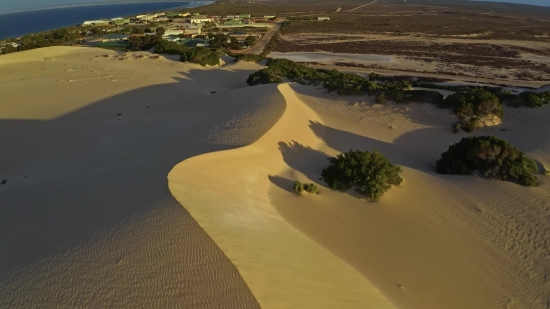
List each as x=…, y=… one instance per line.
x=130, y=185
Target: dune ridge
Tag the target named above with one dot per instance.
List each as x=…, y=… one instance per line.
x=434, y=242
x=282, y=267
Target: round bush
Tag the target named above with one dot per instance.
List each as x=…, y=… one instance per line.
x=370, y=173
x=491, y=156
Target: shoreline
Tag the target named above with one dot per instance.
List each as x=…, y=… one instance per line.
x=193, y=4
x=97, y=4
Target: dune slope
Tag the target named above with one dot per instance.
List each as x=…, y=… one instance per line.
x=86, y=217
x=434, y=242
x=226, y=193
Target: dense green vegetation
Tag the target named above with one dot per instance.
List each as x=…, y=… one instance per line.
x=490, y=156
x=470, y=103
x=201, y=55
x=370, y=173
x=531, y=99
x=170, y=48
x=57, y=37
x=298, y=187
x=250, y=41
x=221, y=40
x=342, y=83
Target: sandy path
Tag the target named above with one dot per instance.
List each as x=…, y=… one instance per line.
x=87, y=220
x=362, y=6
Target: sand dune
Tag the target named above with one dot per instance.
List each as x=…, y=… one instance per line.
x=87, y=220
x=90, y=220
x=226, y=193
x=435, y=242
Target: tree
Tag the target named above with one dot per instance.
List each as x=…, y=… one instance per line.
x=137, y=31
x=160, y=31
x=380, y=98
x=250, y=41
x=135, y=43
x=370, y=173
x=96, y=31
x=492, y=157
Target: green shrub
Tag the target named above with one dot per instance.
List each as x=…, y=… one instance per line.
x=530, y=99
x=491, y=156
x=311, y=188
x=369, y=172
x=470, y=125
x=380, y=98
x=298, y=187
x=201, y=55
x=456, y=127
x=472, y=103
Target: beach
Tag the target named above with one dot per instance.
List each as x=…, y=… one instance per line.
x=136, y=181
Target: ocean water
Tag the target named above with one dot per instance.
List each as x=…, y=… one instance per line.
x=21, y=23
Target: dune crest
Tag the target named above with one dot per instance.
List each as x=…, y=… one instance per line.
x=226, y=193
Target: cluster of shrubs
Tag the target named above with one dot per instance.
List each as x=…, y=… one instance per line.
x=490, y=156
x=169, y=48
x=200, y=55
x=531, y=99
x=308, y=187
x=526, y=99
x=370, y=173
x=342, y=83
x=57, y=37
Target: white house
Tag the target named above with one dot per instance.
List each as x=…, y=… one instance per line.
x=323, y=18
x=199, y=19
x=95, y=23
x=173, y=32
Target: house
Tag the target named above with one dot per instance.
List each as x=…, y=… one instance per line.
x=95, y=23
x=232, y=22
x=270, y=16
x=193, y=30
x=228, y=17
x=173, y=32
x=240, y=36
x=199, y=19
x=120, y=21
x=323, y=18
x=11, y=44
x=245, y=15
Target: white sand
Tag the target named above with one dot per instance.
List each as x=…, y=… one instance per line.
x=89, y=220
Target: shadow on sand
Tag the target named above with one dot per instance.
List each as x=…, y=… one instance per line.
x=78, y=175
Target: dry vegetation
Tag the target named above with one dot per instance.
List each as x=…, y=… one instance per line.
x=502, y=41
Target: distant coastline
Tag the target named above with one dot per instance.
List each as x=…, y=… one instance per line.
x=97, y=4
x=14, y=25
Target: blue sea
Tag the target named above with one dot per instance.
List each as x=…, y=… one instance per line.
x=18, y=24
